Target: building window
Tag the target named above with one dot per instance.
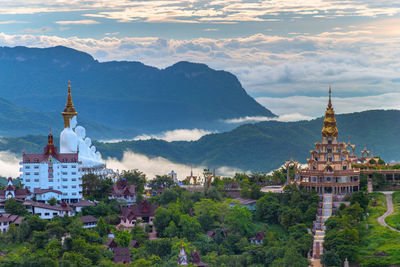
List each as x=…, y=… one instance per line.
x=36, y=173
x=64, y=186
x=64, y=166
x=73, y=166
x=46, y=214
x=74, y=186
x=50, y=180
x=64, y=194
x=36, y=180
x=36, y=167
x=50, y=187
x=27, y=173
x=73, y=173
x=74, y=194
x=54, y=213
x=344, y=167
x=329, y=141
x=36, y=160
x=65, y=160
x=64, y=173
x=28, y=180
x=74, y=160
x=65, y=180
x=73, y=179
x=27, y=167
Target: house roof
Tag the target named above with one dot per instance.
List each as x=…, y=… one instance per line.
x=144, y=209
x=11, y=218
x=122, y=188
x=121, y=255
x=20, y=193
x=89, y=219
x=83, y=203
x=63, y=207
x=44, y=191
x=111, y=243
x=134, y=244
x=61, y=157
x=259, y=236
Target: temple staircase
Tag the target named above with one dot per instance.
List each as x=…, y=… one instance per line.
x=324, y=213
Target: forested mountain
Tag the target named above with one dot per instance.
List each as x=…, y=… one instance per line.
x=257, y=147
x=121, y=96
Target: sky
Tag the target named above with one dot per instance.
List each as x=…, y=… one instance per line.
x=285, y=52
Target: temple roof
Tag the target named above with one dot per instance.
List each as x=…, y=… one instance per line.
x=329, y=128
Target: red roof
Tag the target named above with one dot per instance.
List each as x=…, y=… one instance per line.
x=83, y=203
x=144, y=209
x=63, y=207
x=20, y=193
x=11, y=218
x=89, y=219
x=43, y=191
x=122, y=255
x=122, y=188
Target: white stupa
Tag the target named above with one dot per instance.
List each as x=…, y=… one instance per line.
x=73, y=138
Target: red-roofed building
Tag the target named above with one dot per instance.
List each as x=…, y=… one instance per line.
x=11, y=191
x=122, y=255
x=144, y=212
x=124, y=192
x=6, y=219
x=52, y=170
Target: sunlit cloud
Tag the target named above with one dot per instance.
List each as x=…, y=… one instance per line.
x=77, y=22
x=169, y=136
x=161, y=166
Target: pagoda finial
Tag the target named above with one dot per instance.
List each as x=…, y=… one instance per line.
x=330, y=128
x=69, y=111
x=330, y=94
x=291, y=156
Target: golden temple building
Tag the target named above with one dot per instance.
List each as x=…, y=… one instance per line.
x=330, y=168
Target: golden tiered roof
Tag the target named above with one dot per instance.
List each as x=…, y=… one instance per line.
x=69, y=111
x=330, y=128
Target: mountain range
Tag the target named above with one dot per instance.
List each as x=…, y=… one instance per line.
x=259, y=147
x=115, y=99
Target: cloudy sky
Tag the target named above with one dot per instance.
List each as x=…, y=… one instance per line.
x=285, y=52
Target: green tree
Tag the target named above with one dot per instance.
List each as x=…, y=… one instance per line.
x=123, y=238
x=52, y=201
x=189, y=227
x=162, y=218
x=330, y=258
x=101, y=227
x=138, y=234
x=136, y=178
x=238, y=219
x=14, y=207
x=163, y=181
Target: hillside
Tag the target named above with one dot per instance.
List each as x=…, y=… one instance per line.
x=123, y=95
x=258, y=147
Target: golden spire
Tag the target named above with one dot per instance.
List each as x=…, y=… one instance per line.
x=330, y=128
x=69, y=111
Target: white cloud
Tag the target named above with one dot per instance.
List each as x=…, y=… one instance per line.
x=160, y=166
x=169, y=136
x=9, y=164
x=283, y=117
x=13, y=22
x=176, y=135
x=77, y=22
x=192, y=11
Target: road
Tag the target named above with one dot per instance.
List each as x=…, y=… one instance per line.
x=389, y=204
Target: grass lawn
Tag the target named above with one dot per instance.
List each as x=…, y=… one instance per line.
x=379, y=246
x=394, y=219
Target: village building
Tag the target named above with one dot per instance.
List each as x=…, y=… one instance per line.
x=46, y=211
x=121, y=255
x=89, y=221
x=7, y=219
x=123, y=192
x=78, y=206
x=11, y=191
x=142, y=214
x=44, y=195
x=258, y=238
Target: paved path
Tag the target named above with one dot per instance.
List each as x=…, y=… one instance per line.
x=389, y=204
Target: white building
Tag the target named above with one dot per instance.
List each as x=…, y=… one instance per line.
x=54, y=171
